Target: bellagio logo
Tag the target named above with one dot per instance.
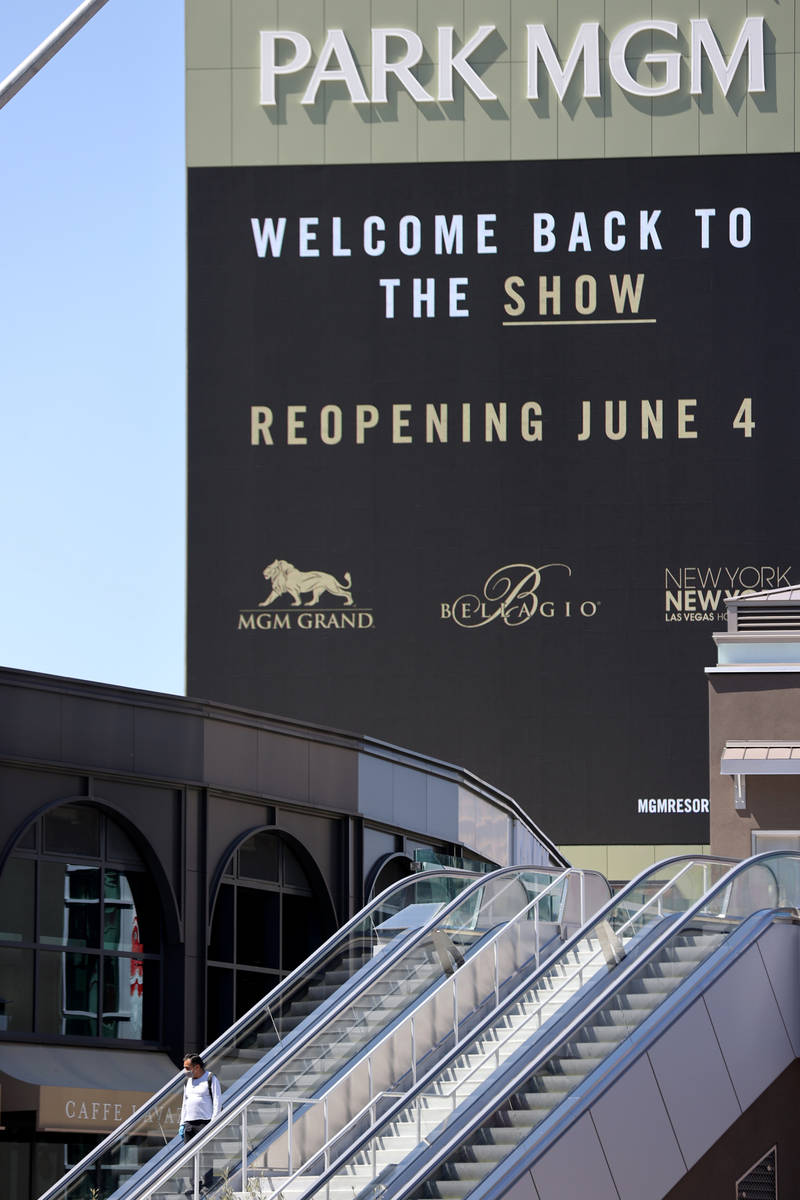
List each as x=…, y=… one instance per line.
x=291, y=588
x=514, y=594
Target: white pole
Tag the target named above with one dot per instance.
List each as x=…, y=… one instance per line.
x=30, y=66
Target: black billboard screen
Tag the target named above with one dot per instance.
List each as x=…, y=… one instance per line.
x=477, y=452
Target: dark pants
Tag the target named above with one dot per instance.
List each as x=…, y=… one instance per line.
x=190, y=1128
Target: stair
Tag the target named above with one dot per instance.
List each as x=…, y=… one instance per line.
x=519, y=1116
x=457, y=1082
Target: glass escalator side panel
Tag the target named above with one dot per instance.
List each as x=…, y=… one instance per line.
x=421, y=958
x=772, y=882
x=668, y=891
x=256, y=1034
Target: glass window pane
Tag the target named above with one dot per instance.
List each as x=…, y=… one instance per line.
x=220, y=946
x=146, y=930
x=220, y=1001
x=150, y=997
x=131, y=998
x=293, y=873
x=120, y=929
x=28, y=839
x=257, y=925
x=69, y=905
x=16, y=990
x=767, y=839
x=84, y=883
x=81, y=993
x=51, y=1161
x=53, y=892
x=72, y=829
x=258, y=858
x=116, y=997
x=302, y=929
x=377, y=843
x=119, y=846
x=83, y=906
x=252, y=986
x=112, y=885
x=17, y=893
x=50, y=994
x=15, y=1168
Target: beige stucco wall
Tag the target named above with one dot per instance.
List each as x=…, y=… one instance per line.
x=226, y=125
x=759, y=708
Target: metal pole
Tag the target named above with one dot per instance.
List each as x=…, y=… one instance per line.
x=413, y=1052
x=30, y=66
x=326, y=1132
x=536, y=931
x=244, y=1150
x=455, y=1010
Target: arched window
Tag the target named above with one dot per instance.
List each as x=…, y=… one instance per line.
x=268, y=917
x=80, y=932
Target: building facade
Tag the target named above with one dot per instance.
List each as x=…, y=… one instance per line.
x=754, y=726
x=490, y=404
x=164, y=862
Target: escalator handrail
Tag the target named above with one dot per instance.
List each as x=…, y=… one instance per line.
x=207, y=1135
x=551, y=995
x=522, y=987
x=350, y=993
x=228, y=1035
x=620, y=1059
x=515, y=1076
x=242, y=1101
x=485, y=943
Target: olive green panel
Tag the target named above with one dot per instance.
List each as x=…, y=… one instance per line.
x=208, y=136
x=726, y=16
x=226, y=123
x=486, y=126
x=394, y=130
x=630, y=133
x=622, y=863
x=531, y=136
x=767, y=131
x=208, y=34
x=250, y=16
x=255, y=132
x=348, y=134
x=570, y=15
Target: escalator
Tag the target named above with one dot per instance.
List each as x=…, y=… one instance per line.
x=689, y=1015
x=272, y=1021
x=414, y=942
x=519, y=990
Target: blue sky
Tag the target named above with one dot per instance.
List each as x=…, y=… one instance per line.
x=92, y=347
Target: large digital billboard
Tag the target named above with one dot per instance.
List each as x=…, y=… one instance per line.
x=477, y=449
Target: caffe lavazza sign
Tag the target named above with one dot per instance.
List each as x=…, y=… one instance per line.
x=396, y=52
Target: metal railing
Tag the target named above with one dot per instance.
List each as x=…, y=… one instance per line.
x=404, y=1030
x=141, y=1124
x=488, y=948
x=769, y=882
x=618, y=914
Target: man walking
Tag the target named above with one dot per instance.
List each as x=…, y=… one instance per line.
x=202, y=1100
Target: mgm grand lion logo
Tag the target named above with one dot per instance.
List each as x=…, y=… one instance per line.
x=305, y=589
x=286, y=580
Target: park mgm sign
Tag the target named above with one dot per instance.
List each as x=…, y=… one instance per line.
x=397, y=52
